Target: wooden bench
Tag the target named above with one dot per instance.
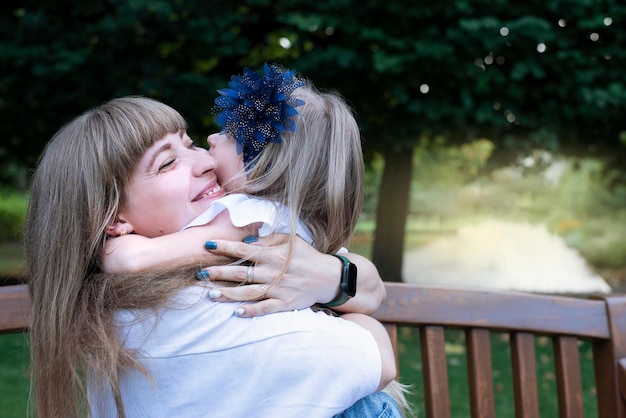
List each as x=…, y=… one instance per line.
x=479, y=314
x=601, y=321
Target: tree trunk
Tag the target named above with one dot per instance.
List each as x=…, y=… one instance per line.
x=393, y=206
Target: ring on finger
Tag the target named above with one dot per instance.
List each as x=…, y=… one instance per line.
x=263, y=289
x=250, y=275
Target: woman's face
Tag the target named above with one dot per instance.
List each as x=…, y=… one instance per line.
x=229, y=169
x=173, y=182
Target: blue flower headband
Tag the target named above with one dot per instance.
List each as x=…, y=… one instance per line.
x=257, y=109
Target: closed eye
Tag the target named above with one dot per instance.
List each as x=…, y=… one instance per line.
x=167, y=164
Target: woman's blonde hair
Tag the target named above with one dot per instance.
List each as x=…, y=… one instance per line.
x=317, y=171
x=76, y=191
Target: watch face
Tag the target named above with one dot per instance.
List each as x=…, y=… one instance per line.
x=351, y=285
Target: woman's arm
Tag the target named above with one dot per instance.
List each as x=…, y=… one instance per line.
x=311, y=277
x=378, y=331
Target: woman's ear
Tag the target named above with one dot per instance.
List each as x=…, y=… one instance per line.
x=119, y=229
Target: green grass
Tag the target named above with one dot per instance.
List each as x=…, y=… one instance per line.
x=411, y=372
x=14, y=379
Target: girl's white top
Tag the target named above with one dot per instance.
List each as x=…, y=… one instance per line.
x=245, y=210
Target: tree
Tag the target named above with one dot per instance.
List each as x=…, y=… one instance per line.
x=57, y=60
x=524, y=74
x=543, y=74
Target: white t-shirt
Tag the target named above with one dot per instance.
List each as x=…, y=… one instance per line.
x=206, y=362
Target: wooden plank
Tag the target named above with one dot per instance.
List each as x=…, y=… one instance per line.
x=524, y=367
x=568, y=380
x=435, y=370
x=498, y=310
x=14, y=308
x=479, y=373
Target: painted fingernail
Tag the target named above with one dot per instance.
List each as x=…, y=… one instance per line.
x=210, y=245
x=239, y=311
x=250, y=239
x=203, y=274
x=214, y=293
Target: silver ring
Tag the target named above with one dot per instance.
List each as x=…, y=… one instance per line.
x=250, y=274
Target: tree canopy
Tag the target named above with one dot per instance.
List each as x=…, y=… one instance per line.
x=540, y=73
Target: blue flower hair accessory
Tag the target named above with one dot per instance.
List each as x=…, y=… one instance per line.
x=257, y=109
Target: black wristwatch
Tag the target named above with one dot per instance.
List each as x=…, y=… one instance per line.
x=347, y=286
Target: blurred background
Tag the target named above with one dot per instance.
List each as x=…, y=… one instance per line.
x=493, y=130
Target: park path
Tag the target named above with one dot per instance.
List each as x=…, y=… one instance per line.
x=502, y=255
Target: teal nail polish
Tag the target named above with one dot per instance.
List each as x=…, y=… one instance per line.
x=239, y=311
x=214, y=293
x=203, y=274
x=250, y=239
x=210, y=245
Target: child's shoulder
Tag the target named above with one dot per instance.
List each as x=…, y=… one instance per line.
x=243, y=210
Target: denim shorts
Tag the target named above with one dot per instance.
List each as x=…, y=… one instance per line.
x=376, y=405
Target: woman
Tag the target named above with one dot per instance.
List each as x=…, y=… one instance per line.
x=77, y=327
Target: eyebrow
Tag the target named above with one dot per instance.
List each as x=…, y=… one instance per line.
x=164, y=147
x=156, y=153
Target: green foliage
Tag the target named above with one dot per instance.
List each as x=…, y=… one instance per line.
x=12, y=211
x=59, y=61
x=410, y=70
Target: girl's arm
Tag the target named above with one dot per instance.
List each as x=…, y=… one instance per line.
x=131, y=253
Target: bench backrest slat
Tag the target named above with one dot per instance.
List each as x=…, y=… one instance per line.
x=14, y=308
x=435, y=370
x=524, y=368
x=507, y=310
x=479, y=372
x=568, y=379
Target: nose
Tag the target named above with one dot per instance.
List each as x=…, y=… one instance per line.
x=212, y=139
x=216, y=139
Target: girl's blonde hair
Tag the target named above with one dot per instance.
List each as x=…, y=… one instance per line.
x=76, y=191
x=317, y=171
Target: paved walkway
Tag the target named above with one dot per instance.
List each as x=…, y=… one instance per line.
x=502, y=255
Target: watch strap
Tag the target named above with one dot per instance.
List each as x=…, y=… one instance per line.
x=343, y=296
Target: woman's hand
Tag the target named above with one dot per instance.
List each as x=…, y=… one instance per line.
x=310, y=277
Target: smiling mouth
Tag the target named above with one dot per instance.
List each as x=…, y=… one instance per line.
x=208, y=193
